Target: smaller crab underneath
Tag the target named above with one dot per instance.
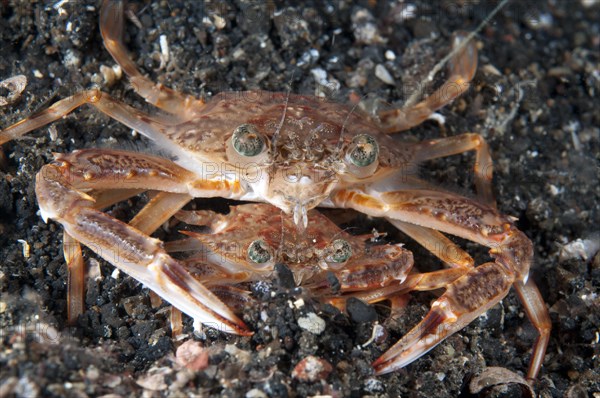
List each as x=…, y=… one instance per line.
x=247, y=243
x=333, y=266
x=295, y=152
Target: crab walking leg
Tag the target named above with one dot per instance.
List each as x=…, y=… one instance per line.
x=414, y=282
x=465, y=299
x=438, y=244
x=184, y=245
x=75, y=278
x=129, y=116
x=462, y=68
x=127, y=248
x=473, y=293
x=55, y=112
x=111, y=28
x=443, y=147
x=202, y=218
x=426, y=281
x=537, y=313
x=176, y=321
x=105, y=198
x=159, y=210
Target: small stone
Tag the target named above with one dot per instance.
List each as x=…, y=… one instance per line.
x=580, y=248
x=112, y=381
x=360, y=312
x=154, y=380
x=373, y=386
x=573, y=374
x=255, y=393
x=192, y=355
x=312, y=323
x=382, y=74
x=312, y=369
x=111, y=75
x=92, y=373
x=15, y=86
x=72, y=59
x=26, y=387
x=134, y=306
x=299, y=303
x=365, y=28
x=242, y=356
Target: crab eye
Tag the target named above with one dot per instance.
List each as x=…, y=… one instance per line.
x=339, y=251
x=258, y=252
x=362, y=156
x=363, y=151
x=247, y=140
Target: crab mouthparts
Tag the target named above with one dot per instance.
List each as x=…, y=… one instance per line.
x=300, y=216
x=297, y=193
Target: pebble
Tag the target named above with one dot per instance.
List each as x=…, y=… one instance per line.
x=154, y=380
x=192, y=355
x=360, y=312
x=299, y=303
x=134, y=306
x=111, y=75
x=382, y=74
x=255, y=393
x=242, y=356
x=365, y=27
x=312, y=323
x=374, y=386
x=72, y=59
x=312, y=369
x=580, y=248
x=15, y=86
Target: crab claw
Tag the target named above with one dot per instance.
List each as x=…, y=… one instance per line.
x=127, y=248
x=465, y=299
x=192, y=297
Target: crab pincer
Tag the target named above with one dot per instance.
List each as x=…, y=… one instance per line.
x=60, y=191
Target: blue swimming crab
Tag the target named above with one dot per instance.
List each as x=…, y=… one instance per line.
x=296, y=153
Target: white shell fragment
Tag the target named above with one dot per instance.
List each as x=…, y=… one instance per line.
x=26, y=248
x=312, y=323
x=111, y=74
x=494, y=376
x=382, y=74
x=15, y=86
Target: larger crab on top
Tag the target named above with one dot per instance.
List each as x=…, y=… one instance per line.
x=295, y=152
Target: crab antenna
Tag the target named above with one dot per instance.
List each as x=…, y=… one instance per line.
x=287, y=100
x=415, y=96
x=339, y=144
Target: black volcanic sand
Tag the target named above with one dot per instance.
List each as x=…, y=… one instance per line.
x=534, y=98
